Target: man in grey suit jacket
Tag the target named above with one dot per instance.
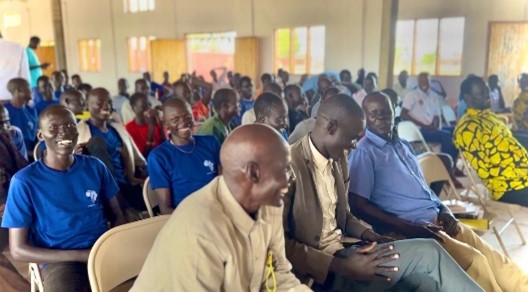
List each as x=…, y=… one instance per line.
x=324, y=241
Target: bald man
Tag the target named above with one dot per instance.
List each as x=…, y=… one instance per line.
x=326, y=242
x=114, y=146
x=228, y=235
x=57, y=202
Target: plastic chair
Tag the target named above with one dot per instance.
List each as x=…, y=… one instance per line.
x=150, y=197
x=36, y=153
x=35, y=278
x=118, y=255
x=449, y=114
x=409, y=132
x=434, y=170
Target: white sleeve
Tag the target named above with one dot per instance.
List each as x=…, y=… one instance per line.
x=409, y=101
x=24, y=66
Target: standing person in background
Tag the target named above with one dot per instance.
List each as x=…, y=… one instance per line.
x=13, y=64
x=35, y=67
x=497, y=99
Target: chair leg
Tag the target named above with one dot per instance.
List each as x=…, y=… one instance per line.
x=32, y=280
x=497, y=234
x=519, y=232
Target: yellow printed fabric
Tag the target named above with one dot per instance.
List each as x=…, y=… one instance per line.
x=488, y=145
x=520, y=111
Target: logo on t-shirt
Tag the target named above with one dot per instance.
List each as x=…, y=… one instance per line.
x=210, y=165
x=92, y=195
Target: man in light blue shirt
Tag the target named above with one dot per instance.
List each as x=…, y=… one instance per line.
x=35, y=68
x=389, y=191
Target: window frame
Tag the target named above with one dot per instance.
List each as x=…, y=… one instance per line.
x=291, y=54
x=148, y=54
x=438, y=54
x=150, y=5
x=98, y=64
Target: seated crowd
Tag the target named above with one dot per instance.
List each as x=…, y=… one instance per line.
x=269, y=189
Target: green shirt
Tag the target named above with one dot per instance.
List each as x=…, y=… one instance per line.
x=214, y=126
x=33, y=60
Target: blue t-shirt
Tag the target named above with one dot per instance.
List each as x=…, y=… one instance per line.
x=62, y=209
x=57, y=93
x=184, y=173
x=43, y=104
x=33, y=61
x=26, y=120
x=115, y=146
x=18, y=141
x=388, y=175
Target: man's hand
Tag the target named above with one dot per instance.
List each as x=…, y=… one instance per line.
x=80, y=148
x=425, y=231
x=371, y=236
x=449, y=223
x=367, y=264
x=136, y=181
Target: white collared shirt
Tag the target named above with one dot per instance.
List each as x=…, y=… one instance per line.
x=422, y=106
x=327, y=193
x=13, y=64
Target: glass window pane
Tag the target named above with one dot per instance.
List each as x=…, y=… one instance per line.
x=403, y=51
x=211, y=50
x=426, y=44
x=317, y=49
x=133, y=6
x=282, y=49
x=300, y=49
x=90, y=55
x=451, y=46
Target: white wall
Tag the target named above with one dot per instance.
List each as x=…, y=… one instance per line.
x=345, y=26
x=478, y=14
x=36, y=20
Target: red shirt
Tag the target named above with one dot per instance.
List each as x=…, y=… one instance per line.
x=200, y=111
x=139, y=134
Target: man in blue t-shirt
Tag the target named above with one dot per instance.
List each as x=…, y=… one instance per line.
x=110, y=142
x=54, y=209
x=185, y=163
x=22, y=116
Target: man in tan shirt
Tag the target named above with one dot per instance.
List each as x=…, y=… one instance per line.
x=228, y=236
x=325, y=242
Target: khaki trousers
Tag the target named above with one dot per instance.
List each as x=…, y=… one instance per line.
x=487, y=266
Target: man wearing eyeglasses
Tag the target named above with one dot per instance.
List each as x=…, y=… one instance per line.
x=324, y=241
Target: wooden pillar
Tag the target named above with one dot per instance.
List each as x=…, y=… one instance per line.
x=58, y=33
x=388, y=42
